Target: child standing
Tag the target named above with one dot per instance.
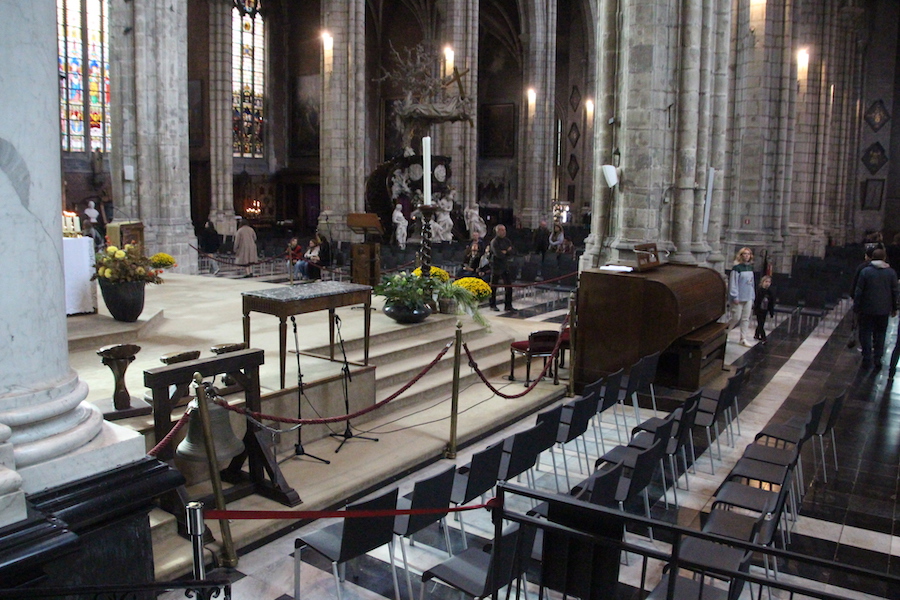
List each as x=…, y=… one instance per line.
x=763, y=305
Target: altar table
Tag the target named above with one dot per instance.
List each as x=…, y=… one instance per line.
x=287, y=301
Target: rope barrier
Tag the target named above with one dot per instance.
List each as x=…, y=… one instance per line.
x=537, y=380
x=175, y=429
x=491, y=504
x=534, y=283
x=230, y=261
x=339, y=418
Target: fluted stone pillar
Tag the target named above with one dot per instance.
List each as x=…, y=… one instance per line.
x=148, y=67
x=48, y=434
x=342, y=118
x=221, y=133
x=536, y=163
x=459, y=140
x=602, y=197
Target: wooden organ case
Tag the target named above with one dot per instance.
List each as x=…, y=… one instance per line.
x=672, y=308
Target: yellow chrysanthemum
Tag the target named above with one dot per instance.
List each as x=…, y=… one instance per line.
x=436, y=273
x=478, y=287
x=120, y=254
x=111, y=250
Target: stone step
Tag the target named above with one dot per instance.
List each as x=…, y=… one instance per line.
x=428, y=327
x=419, y=345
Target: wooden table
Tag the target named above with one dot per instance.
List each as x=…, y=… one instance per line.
x=287, y=301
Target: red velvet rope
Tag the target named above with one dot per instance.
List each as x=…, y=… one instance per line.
x=536, y=283
x=330, y=514
x=549, y=364
x=322, y=420
x=177, y=427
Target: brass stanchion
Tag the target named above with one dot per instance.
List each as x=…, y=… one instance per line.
x=450, y=451
x=573, y=305
x=229, y=559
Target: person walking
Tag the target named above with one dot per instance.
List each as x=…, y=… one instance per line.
x=875, y=300
x=763, y=306
x=245, y=253
x=742, y=293
x=501, y=250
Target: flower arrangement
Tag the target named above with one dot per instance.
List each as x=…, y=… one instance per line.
x=436, y=273
x=478, y=287
x=116, y=265
x=466, y=300
x=406, y=289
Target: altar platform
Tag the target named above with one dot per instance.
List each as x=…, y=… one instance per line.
x=195, y=313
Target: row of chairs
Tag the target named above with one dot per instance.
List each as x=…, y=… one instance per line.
x=757, y=501
x=507, y=460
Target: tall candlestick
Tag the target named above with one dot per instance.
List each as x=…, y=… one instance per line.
x=426, y=168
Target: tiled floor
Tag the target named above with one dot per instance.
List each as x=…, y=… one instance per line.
x=849, y=519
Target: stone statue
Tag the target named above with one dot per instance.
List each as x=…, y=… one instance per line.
x=474, y=222
x=400, y=225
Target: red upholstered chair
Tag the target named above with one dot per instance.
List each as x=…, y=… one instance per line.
x=538, y=344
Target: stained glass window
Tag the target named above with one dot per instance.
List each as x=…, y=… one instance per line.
x=83, y=32
x=248, y=84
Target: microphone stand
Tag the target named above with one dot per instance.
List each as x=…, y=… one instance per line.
x=298, y=447
x=348, y=434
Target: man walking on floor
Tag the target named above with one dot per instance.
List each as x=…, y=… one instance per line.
x=875, y=300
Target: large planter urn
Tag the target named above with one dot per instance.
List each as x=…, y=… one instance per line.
x=404, y=314
x=125, y=300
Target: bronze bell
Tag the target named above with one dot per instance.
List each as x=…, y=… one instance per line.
x=227, y=444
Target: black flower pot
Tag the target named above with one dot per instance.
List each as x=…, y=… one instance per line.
x=125, y=300
x=403, y=314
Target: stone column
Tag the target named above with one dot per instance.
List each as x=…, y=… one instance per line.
x=48, y=434
x=718, y=154
x=686, y=144
x=536, y=160
x=459, y=140
x=607, y=54
x=221, y=133
x=148, y=67
x=342, y=118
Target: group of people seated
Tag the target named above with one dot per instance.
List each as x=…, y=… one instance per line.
x=306, y=264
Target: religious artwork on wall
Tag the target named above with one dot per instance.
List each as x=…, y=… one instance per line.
x=573, y=167
x=872, y=191
x=306, y=103
x=875, y=157
x=391, y=135
x=195, y=113
x=497, y=130
x=575, y=98
x=877, y=115
x=574, y=135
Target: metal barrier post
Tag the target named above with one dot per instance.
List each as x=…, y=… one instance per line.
x=195, y=529
x=450, y=451
x=572, y=334
x=229, y=558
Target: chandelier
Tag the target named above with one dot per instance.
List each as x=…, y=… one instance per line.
x=247, y=8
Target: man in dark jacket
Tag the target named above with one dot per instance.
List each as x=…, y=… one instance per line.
x=875, y=300
x=501, y=251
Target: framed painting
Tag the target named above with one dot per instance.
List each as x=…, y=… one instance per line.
x=195, y=113
x=872, y=192
x=306, y=103
x=497, y=130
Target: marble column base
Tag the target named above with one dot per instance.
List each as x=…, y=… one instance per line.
x=12, y=498
x=113, y=447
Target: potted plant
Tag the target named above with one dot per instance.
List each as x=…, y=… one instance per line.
x=455, y=299
x=122, y=275
x=406, y=296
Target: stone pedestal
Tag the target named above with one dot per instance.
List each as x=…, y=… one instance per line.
x=93, y=531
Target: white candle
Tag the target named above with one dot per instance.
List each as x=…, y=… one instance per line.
x=426, y=168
